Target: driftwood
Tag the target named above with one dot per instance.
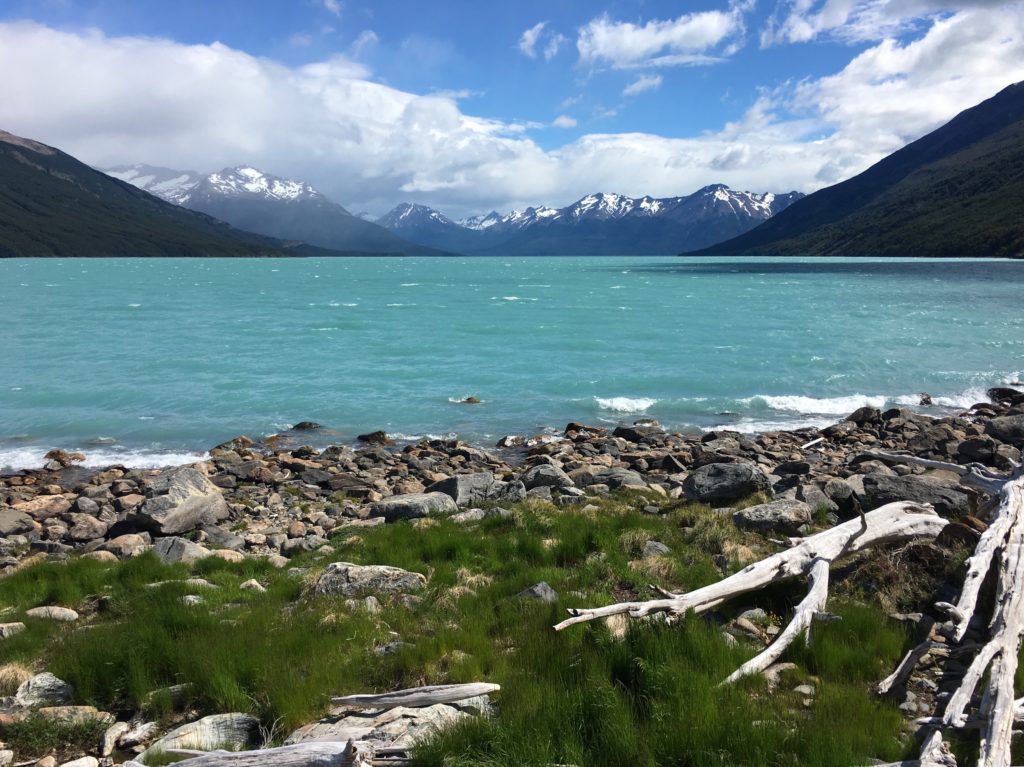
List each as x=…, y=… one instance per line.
x=811, y=556
x=417, y=697
x=999, y=549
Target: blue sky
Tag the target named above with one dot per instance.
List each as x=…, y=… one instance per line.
x=469, y=106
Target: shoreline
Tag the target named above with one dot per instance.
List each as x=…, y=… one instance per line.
x=281, y=497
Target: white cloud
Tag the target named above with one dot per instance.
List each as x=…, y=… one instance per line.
x=333, y=6
x=689, y=39
x=300, y=40
x=797, y=21
x=641, y=84
x=528, y=40
x=114, y=100
x=564, y=121
x=554, y=45
x=366, y=39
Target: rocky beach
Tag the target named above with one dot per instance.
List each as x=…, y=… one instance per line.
x=279, y=502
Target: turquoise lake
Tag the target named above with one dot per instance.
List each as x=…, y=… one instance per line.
x=155, y=361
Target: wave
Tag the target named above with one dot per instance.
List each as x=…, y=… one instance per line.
x=33, y=457
x=816, y=405
x=625, y=404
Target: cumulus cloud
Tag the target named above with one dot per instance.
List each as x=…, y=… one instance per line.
x=114, y=100
x=564, y=121
x=690, y=39
x=641, y=84
x=333, y=6
x=554, y=45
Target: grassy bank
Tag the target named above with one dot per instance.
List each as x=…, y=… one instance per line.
x=582, y=696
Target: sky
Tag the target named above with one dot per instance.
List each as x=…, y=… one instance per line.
x=471, y=106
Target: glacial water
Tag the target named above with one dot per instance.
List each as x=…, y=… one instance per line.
x=154, y=361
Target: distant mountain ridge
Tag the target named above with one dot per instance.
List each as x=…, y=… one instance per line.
x=53, y=205
x=598, y=224
x=958, y=191
x=250, y=199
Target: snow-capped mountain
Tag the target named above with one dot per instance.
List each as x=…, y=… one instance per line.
x=597, y=224
x=170, y=185
x=249, y=199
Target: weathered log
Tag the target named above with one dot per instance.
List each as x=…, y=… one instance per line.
x=326, y=753
x=416, y=697
x=892, y=523
x=934, y=753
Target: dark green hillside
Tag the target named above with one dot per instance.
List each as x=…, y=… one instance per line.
x=53, y=205
x=959, y=191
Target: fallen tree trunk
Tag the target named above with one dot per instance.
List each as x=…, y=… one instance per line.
x=892, y=523
x=417, y=697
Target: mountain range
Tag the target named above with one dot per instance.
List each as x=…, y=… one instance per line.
x=598, y=224
x=958, y=191
x=269, y=205
x=53, y=205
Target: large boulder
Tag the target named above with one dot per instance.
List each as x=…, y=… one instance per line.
x=546, y=475
x=413, y=506
x=782, y=516
x=1007, y=428
x=14, y=523
x=618, y=477
x=725, y=482
x=176, y=549
x=947, y=498
x=180, y=500
x=470, y=489
x=349, y=580
x=126, y=546
x=44, y=690
x=233, y=732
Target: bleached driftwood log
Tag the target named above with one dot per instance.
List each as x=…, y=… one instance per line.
x=892, y=523
x=325, y=753
x=1001, y=546
x=934, y=753
x=416, y=697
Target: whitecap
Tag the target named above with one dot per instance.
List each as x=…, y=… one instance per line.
x=625, y=404
x=34, y=458
x=134, y=306
x=816, y=405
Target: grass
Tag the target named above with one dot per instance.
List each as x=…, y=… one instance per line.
x=576, y=697
x=37, y=735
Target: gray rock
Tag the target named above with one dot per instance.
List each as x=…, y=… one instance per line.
x=468, y=489
x=816, y=498
x=725, y=482
x=53, y=613
x=655, y=549
x=349, y=580
x=616, y=477
x=539, y=592
x=175, y=549
x=126, y=546
x=44, y=690
x=475, y=515
x=10, y=629
x=546, y=475
x=1007, y=428
x=414, y=506
x=232, y=732
x=14, y=523
x=947, y=499
x=182, y=499
x=776, y=517
x=639, y=432
x=85, y=527
x=223, y=539
x=399, y=727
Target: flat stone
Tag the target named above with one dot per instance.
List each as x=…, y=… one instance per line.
x=948, y=499
x=349, y=580
x=53, y=613
x=785, y=516
x=10, y=629
x=14, y=522
x=414, y=506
